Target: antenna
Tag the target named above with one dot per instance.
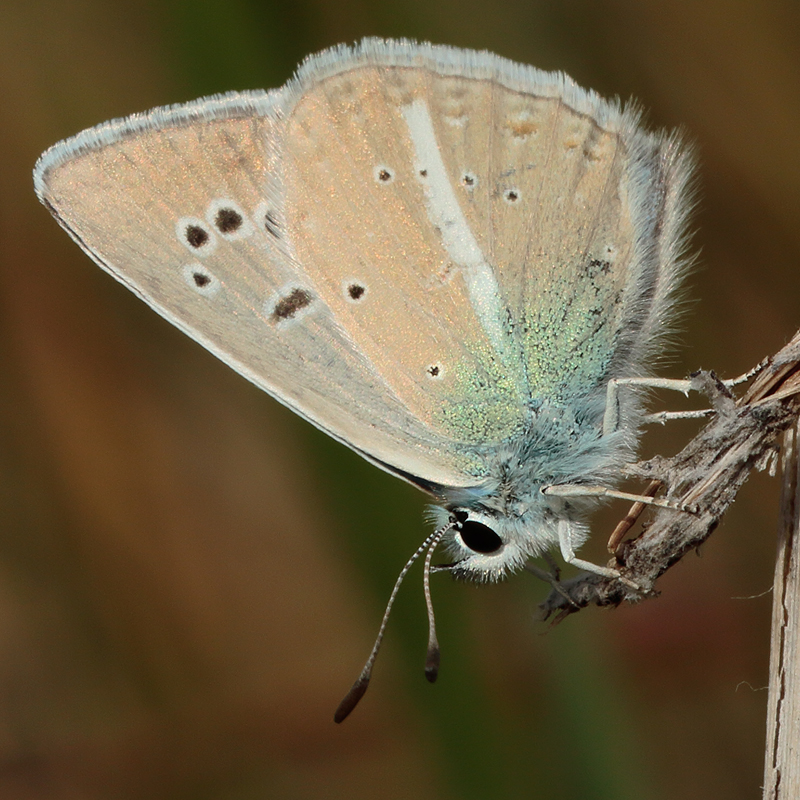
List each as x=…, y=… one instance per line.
x=358, y=689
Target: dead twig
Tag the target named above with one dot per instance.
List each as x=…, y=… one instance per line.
x=704, y=477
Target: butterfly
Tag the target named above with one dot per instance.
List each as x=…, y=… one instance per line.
x=440, y=258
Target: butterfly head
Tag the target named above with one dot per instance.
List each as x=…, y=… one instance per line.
x=484, y=547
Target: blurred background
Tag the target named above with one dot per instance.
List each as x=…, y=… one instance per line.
x=191, y=577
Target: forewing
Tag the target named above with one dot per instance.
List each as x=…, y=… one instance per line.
x=180, y=206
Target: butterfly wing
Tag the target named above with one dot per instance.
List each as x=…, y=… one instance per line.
x=529, y=230
x=176, y=205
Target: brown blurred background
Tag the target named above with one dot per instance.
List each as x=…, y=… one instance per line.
x=191, y=577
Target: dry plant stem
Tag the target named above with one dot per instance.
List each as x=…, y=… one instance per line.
x=625, y=524
x=782, y=753
x=705, y=477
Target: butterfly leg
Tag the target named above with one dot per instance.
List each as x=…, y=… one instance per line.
x=611, y=416
x=612, y=412
x=568, y=554
x=581, y=490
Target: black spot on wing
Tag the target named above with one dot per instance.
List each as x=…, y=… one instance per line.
x=196, y=236
x=356, y=291
x=228, y=220
x=288, y=307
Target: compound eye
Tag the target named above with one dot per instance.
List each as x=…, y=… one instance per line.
x=480, y=537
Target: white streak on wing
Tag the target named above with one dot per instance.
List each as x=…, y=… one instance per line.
x=444, y=212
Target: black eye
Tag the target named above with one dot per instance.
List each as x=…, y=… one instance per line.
x=480, y=537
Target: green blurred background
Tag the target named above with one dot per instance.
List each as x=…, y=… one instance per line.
x=191, y=577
